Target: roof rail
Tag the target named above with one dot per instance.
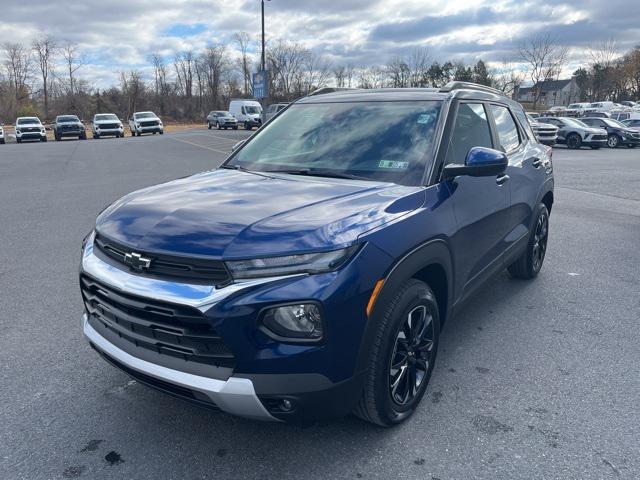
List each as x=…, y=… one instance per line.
x=457, y=85
x=325, y=90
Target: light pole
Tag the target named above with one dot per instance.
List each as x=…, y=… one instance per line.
x=263, y=60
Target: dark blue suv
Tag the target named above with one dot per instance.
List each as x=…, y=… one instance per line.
x=311, y=274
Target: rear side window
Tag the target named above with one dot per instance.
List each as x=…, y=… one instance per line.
x=507, y=130
x=471, y=130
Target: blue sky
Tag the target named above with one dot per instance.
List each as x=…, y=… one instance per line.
x=360, y=32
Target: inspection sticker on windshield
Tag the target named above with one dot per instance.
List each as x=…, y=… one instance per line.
x=393, y=165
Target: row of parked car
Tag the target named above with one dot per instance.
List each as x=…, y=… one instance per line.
x=594, y=132
x=627, y=110
x=247, y=113
x=102, y=125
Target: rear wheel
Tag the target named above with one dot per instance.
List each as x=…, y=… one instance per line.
x=574, y=141
x=613, y=141
x=402, y=357
x=209, y=125
x=530, y=262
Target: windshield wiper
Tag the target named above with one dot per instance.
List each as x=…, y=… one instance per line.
x=317, y=173
x=240, y=168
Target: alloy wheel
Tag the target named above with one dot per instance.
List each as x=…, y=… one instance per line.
x=613, y=141
x=412, y=356
x=540, y=241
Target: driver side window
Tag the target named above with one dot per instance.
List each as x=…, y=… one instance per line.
x=471, y=129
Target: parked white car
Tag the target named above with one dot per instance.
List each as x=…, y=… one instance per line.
x=577, y=109
x=106, y=124
x=604, y=107
x=546, y=133
x=145, y=122
x=30, y=128
x=247, y=112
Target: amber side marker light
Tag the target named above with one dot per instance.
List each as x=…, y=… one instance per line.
x=374, y=295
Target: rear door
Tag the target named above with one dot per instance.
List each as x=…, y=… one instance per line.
x=526, y=169
x=480, y=203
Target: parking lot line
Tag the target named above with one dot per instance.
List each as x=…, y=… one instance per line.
x=201, y=146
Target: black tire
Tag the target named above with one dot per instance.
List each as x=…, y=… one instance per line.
x=138, y=134
x=382, y=398
x=631, y=146
x=209, y=125
x=595, y=147
x=2, y=141
x=43, y=139
x=530, y=262
x=614, y=141
x=574, y=141
x=83, y=136
x=218, y=126
x=247, y=126
x=161, y=132
x=97, y=137
x=18, y=140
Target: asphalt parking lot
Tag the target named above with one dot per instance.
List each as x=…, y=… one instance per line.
x=533, y=379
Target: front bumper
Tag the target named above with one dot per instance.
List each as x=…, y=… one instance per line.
x=320, y=380
x=70, y=133
x=235, y=395
x=151, y=129
x=30, y=135
x=108, y=131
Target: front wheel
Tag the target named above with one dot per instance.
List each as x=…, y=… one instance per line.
x=613, y=141
x=574, y=141
x=209, y=125
x=247, y=126
x=43, y=139
x=403, y=355
x=530, y=262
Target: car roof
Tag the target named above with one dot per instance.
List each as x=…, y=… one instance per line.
x=405, y=94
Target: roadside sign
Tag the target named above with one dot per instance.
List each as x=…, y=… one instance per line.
x=260, y=85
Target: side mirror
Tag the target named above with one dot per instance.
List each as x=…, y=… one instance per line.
x=237, y=145
x=480, y=162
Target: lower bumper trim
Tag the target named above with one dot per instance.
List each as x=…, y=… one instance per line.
x=235, y=395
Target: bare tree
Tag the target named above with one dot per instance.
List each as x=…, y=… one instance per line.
x=339, y=74
x=132, y=88
x=45, y=49
x=545, y=58
x=398, y=72
x=418, y=64
x=74, y=61
x=242, y=40
x=506, y=77
x=18, y=64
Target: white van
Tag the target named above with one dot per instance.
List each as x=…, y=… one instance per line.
x=247, y=112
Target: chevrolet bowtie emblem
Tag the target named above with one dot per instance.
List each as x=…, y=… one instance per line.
x=137, y=261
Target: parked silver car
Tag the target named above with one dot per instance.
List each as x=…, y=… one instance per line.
x=575, y=134
x=221, y=119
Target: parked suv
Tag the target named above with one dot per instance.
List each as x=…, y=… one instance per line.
x=546, y=133
x=618, y=133
x=30, y=128
x=221, y=119
x=106, y=124
x=311, y=274
x=577, y=109
x=145, y=122
x=68, y=126
x=575, y=134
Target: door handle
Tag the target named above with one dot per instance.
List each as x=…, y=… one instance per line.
x=537, y=163
x=502, y=179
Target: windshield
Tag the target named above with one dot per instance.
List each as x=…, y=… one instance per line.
x=224, y=114
x=387, y=141
x=106, y=116
x=613, y=123
x=572, y=122
x=67, y=119
x=27, y=120
x=145, y=115
x=251, y=109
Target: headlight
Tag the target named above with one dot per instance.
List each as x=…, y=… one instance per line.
x=290, y=264
x=299, y=322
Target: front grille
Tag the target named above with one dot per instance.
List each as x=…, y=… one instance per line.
x=108, y=126
x=194, y=270
x=172, y=330
x=30, y=129
x=151, y=123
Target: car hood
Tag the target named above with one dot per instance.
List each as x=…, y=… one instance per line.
x=29, y=125
x=110, y=122
x=233, y=214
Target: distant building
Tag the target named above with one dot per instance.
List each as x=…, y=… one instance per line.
x=552, y=93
